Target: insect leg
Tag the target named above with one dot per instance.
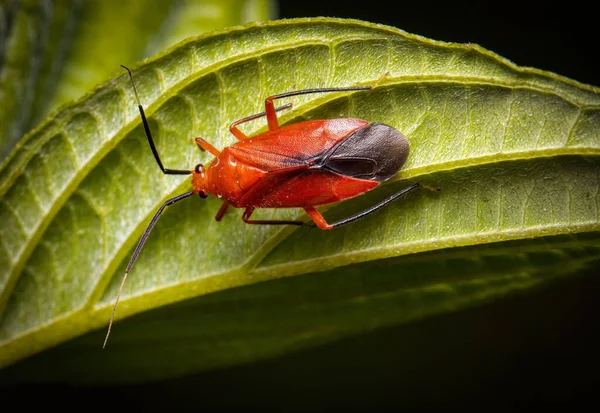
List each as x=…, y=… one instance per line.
x=317, y=218
x=247, y=220
x=149, y=135
x=270, y=107
x=241, y=135
x=222, y=211
x=321, y=223
x=205, y=146
x=138, y=249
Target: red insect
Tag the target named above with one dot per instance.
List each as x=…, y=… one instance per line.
x=302, y=165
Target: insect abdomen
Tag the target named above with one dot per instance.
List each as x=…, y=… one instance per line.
x=304, y=188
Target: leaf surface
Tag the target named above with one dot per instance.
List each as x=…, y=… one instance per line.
x=58, y=50
x=514, y=150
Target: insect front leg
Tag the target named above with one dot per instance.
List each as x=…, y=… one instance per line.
x=235, y=131
x=222, y=211
x=205, y=146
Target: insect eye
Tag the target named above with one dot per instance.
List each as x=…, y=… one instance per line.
x=202, y=194
x=198, y=169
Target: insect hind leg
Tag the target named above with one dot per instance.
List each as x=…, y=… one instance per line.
x=318, y=219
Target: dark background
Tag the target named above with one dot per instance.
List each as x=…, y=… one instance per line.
x=562, y=37
x=537, y=349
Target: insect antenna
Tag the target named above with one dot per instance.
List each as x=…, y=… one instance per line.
x=137, y=251
x=164, y=170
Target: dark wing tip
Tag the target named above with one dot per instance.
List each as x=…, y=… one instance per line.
x=375, y=152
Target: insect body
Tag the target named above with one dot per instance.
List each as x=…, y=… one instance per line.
x=303, y=165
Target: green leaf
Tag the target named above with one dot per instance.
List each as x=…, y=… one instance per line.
x=58, y=50
x=138, y=29
x=87, y=65
x=266, y=319
x=24, y=32
x=514, y=150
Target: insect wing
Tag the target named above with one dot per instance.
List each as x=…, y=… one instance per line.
x=374, y=152
x=294, y=145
